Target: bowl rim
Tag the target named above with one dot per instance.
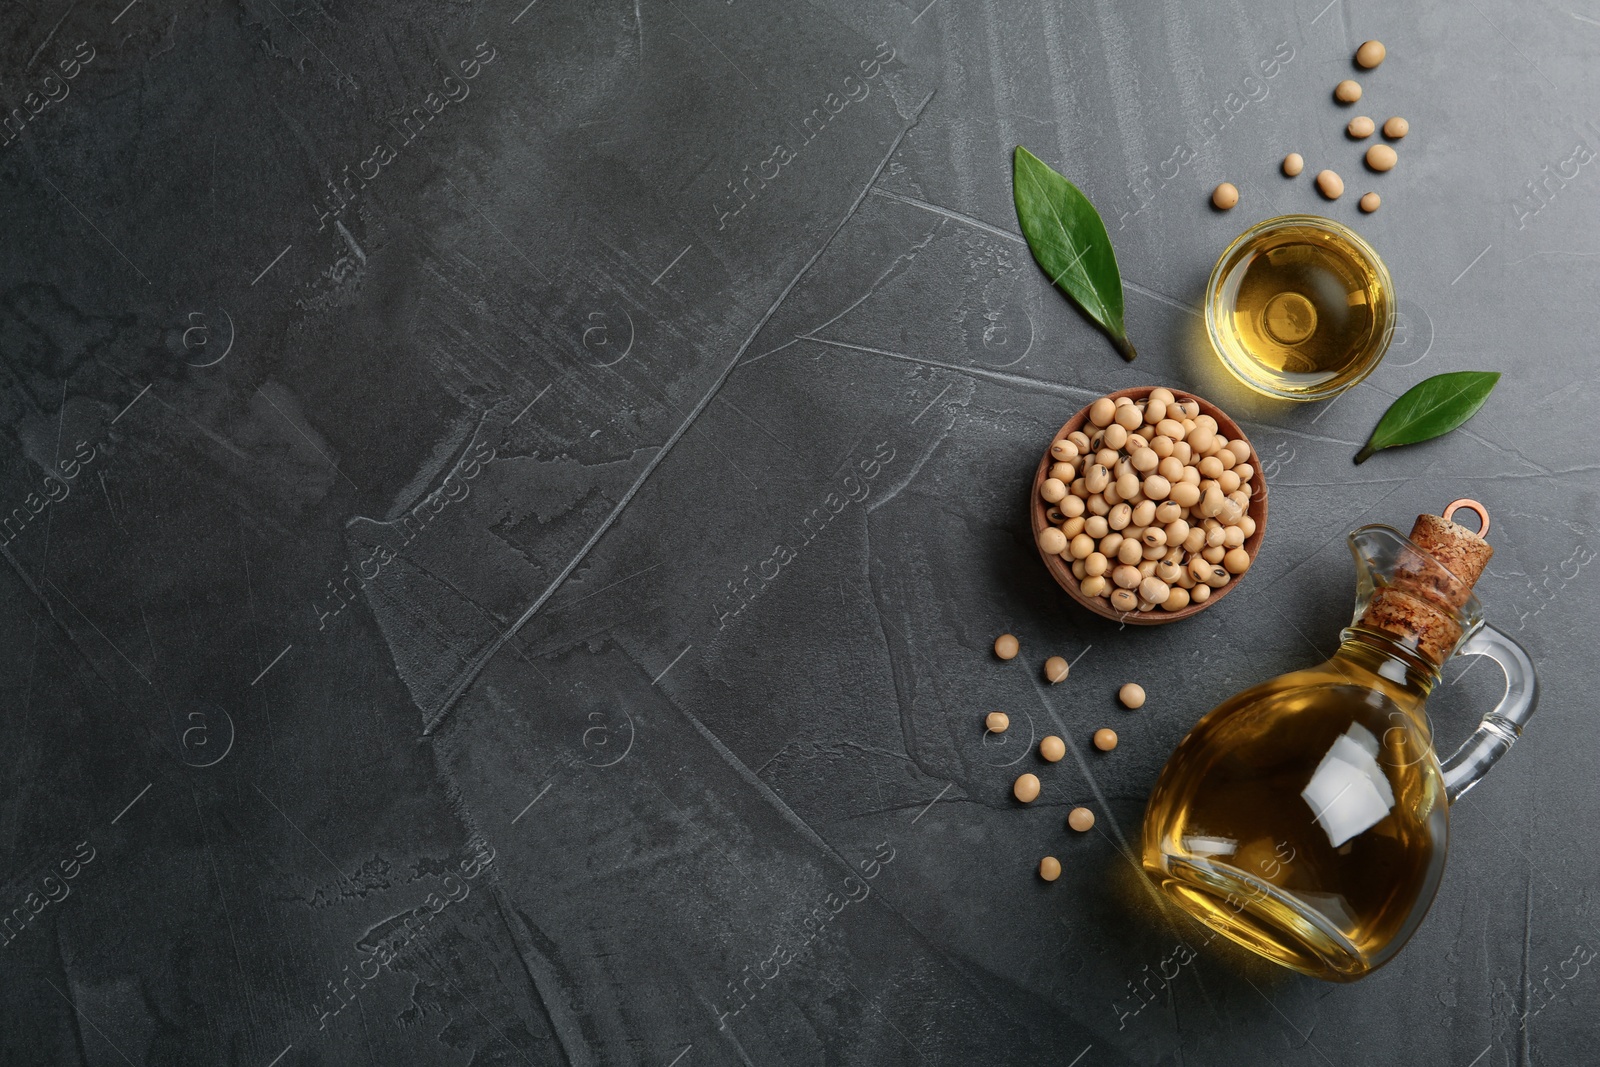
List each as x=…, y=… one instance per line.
x=1061, y=570
x=1362, y=246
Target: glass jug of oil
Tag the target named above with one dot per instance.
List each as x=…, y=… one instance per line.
x=1307, y=817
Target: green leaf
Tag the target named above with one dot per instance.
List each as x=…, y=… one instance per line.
x=1069, y=242
x=1432, y=407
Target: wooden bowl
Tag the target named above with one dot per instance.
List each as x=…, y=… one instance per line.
x=1061, y=569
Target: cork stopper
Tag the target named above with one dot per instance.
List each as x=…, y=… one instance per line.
x=1460, y=551
x=1422, y=601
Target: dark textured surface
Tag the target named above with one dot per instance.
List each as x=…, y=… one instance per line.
x=673, y=534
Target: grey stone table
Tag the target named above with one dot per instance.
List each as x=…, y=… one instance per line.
x=507, y=505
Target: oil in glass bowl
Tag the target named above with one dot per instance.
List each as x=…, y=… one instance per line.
x=1300, y=307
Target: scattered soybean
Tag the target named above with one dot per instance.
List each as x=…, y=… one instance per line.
x=1026, y=788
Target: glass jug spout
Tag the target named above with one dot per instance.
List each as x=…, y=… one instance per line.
x=1420, y=612
x=1407, y=595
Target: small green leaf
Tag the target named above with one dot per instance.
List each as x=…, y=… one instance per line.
x=1069, y=241
x=1432, y=407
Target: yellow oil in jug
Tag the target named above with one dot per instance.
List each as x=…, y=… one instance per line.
x=1303, y=817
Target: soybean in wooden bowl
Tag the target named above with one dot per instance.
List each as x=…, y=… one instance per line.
x=1060, y=565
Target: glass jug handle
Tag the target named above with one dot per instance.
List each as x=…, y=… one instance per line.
x=1503, y=725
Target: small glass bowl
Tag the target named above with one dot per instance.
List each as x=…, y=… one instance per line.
x=1290, y=317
